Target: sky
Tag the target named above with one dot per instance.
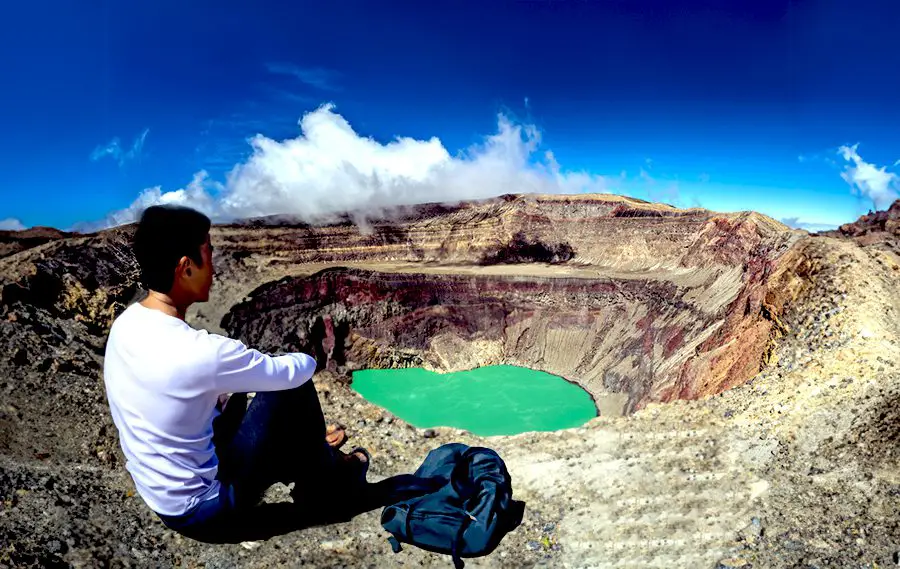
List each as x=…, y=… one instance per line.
x=310, y=108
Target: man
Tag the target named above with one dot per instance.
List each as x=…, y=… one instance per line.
x=199, y=467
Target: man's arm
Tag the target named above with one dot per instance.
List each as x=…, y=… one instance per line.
x=241, y=369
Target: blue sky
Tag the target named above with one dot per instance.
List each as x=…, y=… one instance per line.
x=728, y=104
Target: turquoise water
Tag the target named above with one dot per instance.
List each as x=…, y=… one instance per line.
x=494, y=400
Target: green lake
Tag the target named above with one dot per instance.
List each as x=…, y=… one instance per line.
x=494, y=400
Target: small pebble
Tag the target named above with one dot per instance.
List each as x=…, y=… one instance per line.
x=735, y=563
x=429, y=433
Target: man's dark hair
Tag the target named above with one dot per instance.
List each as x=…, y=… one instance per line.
x=164, y=235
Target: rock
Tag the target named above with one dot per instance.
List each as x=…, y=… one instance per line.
x=791, y=544
x=429, y=433
x=734, y=563
x=57, y=547
x=534, y=545
x=338, y=545
x=756, y=526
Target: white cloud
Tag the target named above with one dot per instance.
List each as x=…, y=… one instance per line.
x=11, y=224
x=873, y=182
x=330, y=169
x=198, y=194
x=797, y=223
x=324, y=79
x=816, y=158
x=114, y=149
x=662, y=190
x=668, y=193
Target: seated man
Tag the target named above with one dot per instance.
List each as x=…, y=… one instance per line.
x=196, y=457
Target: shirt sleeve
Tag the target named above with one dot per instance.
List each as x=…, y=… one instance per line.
x=239, y=369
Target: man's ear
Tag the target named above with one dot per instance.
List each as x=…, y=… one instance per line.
x=184, y=266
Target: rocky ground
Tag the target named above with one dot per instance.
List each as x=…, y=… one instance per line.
x=798, y=467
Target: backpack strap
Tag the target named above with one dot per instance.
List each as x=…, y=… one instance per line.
x=458, y=563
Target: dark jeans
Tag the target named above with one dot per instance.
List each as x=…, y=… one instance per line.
x=279, y=438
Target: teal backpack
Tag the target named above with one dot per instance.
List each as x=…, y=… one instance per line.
x=467, y=514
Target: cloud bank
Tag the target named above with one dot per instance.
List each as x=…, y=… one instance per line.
x=330, y=169
x=870, y=181
x=812, y=227
x=114, y=149
x=11, y=224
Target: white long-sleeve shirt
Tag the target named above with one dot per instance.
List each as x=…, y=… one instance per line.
x=163, y=379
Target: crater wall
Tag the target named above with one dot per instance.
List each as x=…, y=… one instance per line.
x=651, y=303
x=606, y=231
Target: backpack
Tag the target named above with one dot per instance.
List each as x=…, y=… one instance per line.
x=467, y=514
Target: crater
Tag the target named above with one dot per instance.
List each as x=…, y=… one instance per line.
x=640, y=307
